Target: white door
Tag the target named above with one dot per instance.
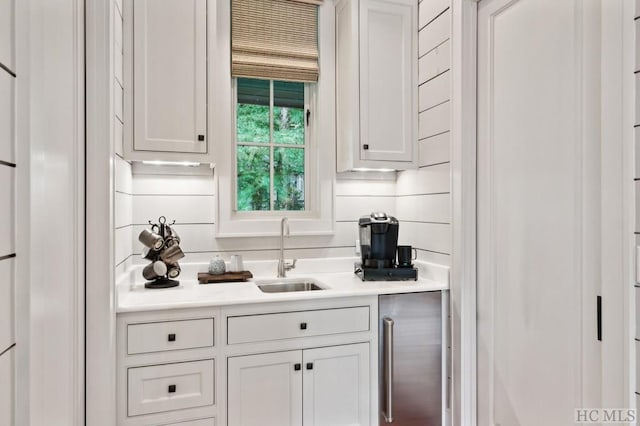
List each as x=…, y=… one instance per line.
x=538, y=211
x=170, y=75
x=336, y=386
x=388, y=53
x=265, y=390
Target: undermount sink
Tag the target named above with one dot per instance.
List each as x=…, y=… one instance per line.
x=288, y=285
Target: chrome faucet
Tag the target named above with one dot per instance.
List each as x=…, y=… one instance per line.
x=284, y=266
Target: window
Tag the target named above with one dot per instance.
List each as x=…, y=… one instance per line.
x=270, y=159
x=271, y=145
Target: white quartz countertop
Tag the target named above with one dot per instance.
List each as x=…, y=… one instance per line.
x=133, y=297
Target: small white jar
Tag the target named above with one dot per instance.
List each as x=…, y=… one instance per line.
x=217, y=266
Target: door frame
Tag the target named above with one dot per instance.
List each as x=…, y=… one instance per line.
x=618, y=166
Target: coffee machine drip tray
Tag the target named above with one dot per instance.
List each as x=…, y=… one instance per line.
x=385, y=274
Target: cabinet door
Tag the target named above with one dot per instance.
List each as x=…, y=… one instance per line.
x=265, y=390
x=170, y=68
x=388, y=55
x=336, y=385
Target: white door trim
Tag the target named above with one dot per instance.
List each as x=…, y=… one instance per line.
x=618, y=105
x=100, y=294
x=463, y=194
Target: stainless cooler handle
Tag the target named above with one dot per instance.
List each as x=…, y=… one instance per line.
x=387, y=413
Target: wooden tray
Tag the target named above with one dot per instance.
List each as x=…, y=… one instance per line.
x=227, y=277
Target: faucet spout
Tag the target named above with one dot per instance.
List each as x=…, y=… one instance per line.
x=283, y=266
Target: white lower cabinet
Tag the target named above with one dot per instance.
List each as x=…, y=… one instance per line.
x=336, y=385
x=290, y=363
x=321, y=387
x=265, y=389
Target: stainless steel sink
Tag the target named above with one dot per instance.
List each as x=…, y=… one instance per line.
x=285, y=286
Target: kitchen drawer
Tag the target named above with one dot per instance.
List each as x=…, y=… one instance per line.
x=201, y=422
x=169, y=336
x=290, y=325
x=168, y=387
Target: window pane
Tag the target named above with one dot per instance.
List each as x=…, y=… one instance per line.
x=288, y=112
x=288, y=176
x=252, y=115
x=253, y=178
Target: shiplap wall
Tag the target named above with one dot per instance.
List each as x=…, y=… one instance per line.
x=8, y=80
x=637, y=193
x=423, y=203
x=123, y=176
x=190, y=200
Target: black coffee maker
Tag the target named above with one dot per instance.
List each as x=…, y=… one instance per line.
x=378, y=245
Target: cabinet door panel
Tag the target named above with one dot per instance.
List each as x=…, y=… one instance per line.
x=170, y=71
x=336, y=386
x=265, y=390
x=387, y=101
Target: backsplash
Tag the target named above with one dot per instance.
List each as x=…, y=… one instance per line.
x=143, y=195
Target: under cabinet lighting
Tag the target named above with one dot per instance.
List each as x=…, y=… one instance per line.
x=171, y=163
x=366, y=169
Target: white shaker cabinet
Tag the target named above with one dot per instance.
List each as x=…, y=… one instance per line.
x=168, y=66
x=319, y=386
x=376, y=84
x=336, y=385
x=265, y=389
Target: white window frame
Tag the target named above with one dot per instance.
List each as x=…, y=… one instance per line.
x=309, y=172
x=318, y=218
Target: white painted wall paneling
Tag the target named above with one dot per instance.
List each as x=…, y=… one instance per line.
x=433, y=237
x=435, y=62
x=434, y=121
x=7, y=381
x=434, y=34
x=184, y=209
x=7, y=34
x=435, y=91
x=7, y=116
x=435, y=150
x=7, y=213
x=424, y=208
x=118, y=102
x=637, y=330
x=118, y=135
x=7, y=279
x=428, y=180
x=200, y=238
x=430, y=9
x=350, y=208
x=365, y=187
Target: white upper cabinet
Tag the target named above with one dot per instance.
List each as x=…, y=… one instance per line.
x=169, y=93
x=376, y=83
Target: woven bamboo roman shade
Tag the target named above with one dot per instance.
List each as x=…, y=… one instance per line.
x=275, y=39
